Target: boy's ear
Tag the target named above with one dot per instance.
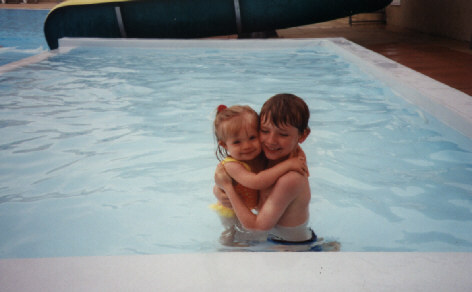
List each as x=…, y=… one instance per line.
x=304, y=135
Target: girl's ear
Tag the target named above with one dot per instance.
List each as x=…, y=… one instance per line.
x=304, y=135
x=222, y=144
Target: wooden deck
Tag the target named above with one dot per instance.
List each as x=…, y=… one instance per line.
x=438, y=62
x=445, y=60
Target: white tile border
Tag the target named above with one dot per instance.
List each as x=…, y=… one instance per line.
x=242, y=272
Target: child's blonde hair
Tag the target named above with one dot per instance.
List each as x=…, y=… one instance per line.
x=224, y=129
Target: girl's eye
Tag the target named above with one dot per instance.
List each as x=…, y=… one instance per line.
x=264, y=131
x=236, y=142
x=252, y=137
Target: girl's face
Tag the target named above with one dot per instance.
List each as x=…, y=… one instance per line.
x=278, y=142
x=245, y=144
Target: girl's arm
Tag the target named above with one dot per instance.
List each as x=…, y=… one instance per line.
x=265, y=178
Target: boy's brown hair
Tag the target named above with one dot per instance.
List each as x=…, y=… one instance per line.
x=286, y=109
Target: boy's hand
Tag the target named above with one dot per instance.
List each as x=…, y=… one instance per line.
x=221, y=196
x=222, y=179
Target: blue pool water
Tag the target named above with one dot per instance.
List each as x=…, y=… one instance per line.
x=109, y=151
x=21, y=34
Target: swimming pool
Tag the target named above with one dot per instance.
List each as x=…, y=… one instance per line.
x=109, y=151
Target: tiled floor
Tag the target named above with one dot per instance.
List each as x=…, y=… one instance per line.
x=438, y=62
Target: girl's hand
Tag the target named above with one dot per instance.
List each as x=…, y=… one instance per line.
x=298, y=152
x=299, y=165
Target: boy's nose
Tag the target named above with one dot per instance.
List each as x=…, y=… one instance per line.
x=270, y=138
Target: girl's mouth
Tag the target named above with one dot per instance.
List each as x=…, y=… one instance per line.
x=247, y=153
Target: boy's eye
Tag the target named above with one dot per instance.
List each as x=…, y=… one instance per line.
x=252, y=137
x=236, y=142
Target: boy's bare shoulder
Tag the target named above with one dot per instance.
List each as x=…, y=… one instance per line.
x=293, y=178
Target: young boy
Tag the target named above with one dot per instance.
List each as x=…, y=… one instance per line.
x=284, y=208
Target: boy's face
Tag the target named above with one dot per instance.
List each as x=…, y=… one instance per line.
x=278, y=142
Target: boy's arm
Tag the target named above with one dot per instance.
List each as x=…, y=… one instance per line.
x=287, y=188
x=265, y=178
x=221, y=196
x=218, y=191
x=223, y=180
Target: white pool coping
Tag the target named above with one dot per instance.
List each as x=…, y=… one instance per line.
x=242, y=272
x=238, y=271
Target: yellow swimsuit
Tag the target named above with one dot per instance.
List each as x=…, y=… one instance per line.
x=249, y=196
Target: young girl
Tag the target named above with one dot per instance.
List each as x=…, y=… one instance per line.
x=239, y=150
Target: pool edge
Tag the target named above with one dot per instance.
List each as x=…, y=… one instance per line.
x=242, y=271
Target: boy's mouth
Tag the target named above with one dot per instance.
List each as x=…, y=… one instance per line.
x=271, y=149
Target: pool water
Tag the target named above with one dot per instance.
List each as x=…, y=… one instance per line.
x=21, y=34
x=109, y=151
